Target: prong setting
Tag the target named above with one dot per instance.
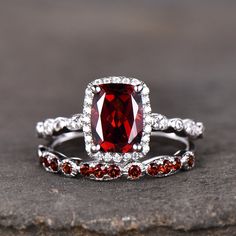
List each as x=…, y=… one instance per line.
x=96, y=89
x=95, y=148
x=137, y=147
x=138, y=88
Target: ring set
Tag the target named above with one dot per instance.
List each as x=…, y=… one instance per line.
x=117, y=123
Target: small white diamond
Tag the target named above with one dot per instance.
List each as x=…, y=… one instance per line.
x=87, y=110
x=127, y=157
x=126, y=81
x=88, y=148
x=107, y=81
x=59, y=123
x=189, y=126
x=116, y=80
x=40, y=128
x=98, y=155
x=135, y=156
x=135, y=82
x=145, y=99
x=146, y=149
x=163, y=124
x=160, y=122
x=75, y=123
x=199, y=128
x=148, y=129
x=148, y=119
x=176, y=124
x=88, y=100
x=88, y=139
x=146, y=138
x=97, y=82
x=86, y=119
x=117, y=158
x=86, y=128
x=48, y=126
x=107, y=157
x=147, y=109
x=145, y=91
x=89, y=92
x=179, y=125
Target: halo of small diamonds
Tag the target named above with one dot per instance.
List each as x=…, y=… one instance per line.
x=147, y=120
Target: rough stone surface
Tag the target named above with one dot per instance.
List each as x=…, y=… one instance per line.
x=185, y=51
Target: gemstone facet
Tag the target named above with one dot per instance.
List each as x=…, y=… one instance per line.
x=134, y=172
x=66, y=168
x=99, y=171
x=117, y=118
x=85, y=169
x=113, y=171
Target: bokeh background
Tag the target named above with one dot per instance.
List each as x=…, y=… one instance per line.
x=184, y=50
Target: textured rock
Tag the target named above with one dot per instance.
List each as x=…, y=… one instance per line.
x=185, y=52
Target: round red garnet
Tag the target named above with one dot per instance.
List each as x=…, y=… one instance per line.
x=44, y=161
x=99, y=171
x=54, y=164
x=66, y=168
x=167, y=166
x=134, y=172
x=117, y=118
x=113, y=171
x=191, y=161
x=85, y=170
x=153, y=169
x=177, y=164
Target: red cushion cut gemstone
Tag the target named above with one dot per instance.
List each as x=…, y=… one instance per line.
x=117, y=118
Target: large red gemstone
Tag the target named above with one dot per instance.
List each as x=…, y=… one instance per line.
x=117, y=118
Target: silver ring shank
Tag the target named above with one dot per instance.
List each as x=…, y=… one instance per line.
x=73, y=135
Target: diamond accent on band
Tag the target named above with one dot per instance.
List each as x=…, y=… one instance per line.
x=189, y=127
x=75, y=122
x=51, y=127
x=59, y=124
x=188, y=160
x=177, y=124
x=48, y=127
x=160, y=122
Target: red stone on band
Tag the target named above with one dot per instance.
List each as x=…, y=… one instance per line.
x=67, y=168
x=99, y=171
x=85, y=169
x=117, y=118
x=134, y=172
x=113, y=171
